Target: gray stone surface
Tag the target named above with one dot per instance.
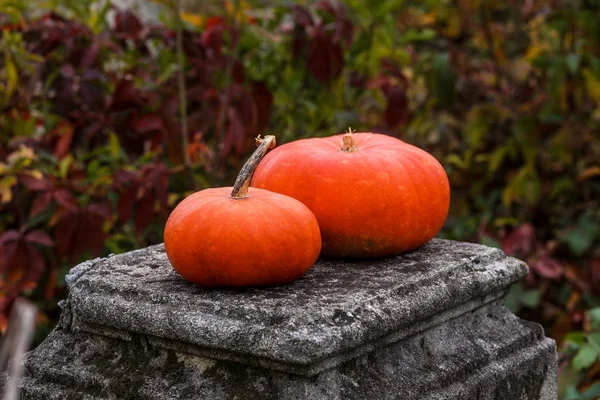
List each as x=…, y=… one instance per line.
x=424, y=325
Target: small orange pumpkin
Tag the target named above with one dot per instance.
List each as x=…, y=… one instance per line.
x=373, y=194
x=242, y=237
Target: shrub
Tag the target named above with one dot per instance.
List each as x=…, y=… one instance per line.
x=104, y=138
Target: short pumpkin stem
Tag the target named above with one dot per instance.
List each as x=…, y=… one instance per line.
x=240, y=188
x=348, y=143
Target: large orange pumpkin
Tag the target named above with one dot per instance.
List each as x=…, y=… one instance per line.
x=240, y=236
x=373, y=194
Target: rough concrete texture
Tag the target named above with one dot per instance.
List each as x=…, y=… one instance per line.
x=424, y=325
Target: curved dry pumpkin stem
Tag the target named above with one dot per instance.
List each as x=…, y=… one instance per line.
x=348, y=143
x=240, y=188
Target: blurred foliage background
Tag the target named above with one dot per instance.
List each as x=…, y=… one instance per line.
x=107, y=121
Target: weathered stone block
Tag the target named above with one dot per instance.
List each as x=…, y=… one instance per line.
x=428, y=324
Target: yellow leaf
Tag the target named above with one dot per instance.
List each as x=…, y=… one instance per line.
x=428, y=19
x=592, y=83
x=499, y=51
x=24, y=155
x=192, y=19
x=454, y=24
x=34, y=173
x=12, y=78
x=237, y=7
x=6, y=185
x=589, y=173
x=534, y=51
x=455, y=160
x=173, y=199
x=114, y=145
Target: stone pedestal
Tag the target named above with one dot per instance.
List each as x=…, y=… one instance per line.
x=429, y=324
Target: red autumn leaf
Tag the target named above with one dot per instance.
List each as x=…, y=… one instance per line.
x=212, y=38
x=344, y=29
x=128, y=25
x=65, y=199
x=326, y=6
x=67, y=71
x=124, y=177
x=40, y=203
x=236, y=133
x=302, y=16
x=147, y=124
x=36, y=266
x=144, y=212
x=547, y=267
x=50, y=287
x=126, y=184
x=126, y=95
x=7, y=252
x=520, y=241
x=213, y=21
x=22, y=262
x=325, y=58
x=101, y=209
x=80, y=232
x=39, y=237
x=264, y=99
x=126, y=202
x=298, y=44
x=237, y=71
x=64, y=131
x=396, y=111
x=158, y=177
x=33, y=183
x=90, y=56
x=10, y=236
x=66, y=233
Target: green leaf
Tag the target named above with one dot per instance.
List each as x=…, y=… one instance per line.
x=594, y=316
x=413, y=35
x=531, y=298
x=478, y=125
x=496, y=158
x=511, y=301
x=571, y=393
x=388, y=7
x=594, y=339
x=585, y=357
x=444, y=80
x=581, y=238
x=490, y=241
x=577, y=338
x=592, y=393
x=561, y=186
